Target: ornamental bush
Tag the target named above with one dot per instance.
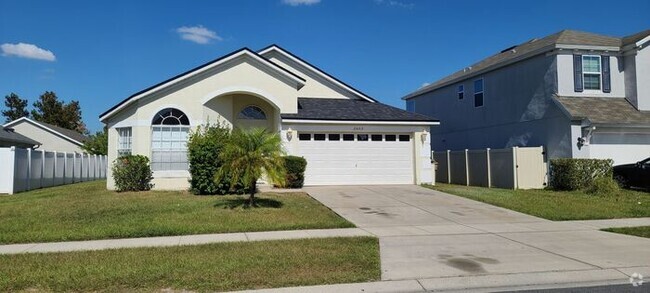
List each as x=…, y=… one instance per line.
x=132, y=173
x=578, y=174
x=295, y=167
x=203, y=149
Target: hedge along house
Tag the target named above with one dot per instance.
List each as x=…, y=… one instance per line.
x=347, y=137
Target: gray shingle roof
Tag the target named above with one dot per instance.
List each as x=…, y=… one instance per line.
x=565, y=37
x=353, y=110
x=67, y=132
x=600, y=110
x=7, y=134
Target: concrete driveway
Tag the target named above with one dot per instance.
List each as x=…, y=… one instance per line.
x=428, y=234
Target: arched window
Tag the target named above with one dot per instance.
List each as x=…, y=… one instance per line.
x=170, y=128
x=252, y=113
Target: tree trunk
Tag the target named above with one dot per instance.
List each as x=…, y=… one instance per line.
x=251, y=199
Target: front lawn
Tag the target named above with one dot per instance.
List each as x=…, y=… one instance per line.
x=213, y=267
x=643, y=231
x=558, y=205
x=88, y=211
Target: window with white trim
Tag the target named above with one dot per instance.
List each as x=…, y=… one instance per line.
x=124, y=141
x=461, y=92
x=170, y=129
x=591, y=72
x=478, y=93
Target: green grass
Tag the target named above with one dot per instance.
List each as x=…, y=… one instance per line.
x=88, y=211
x=213, y=267
x=643, y=231
x=558, y=205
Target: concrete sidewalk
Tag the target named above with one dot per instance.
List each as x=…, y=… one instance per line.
x=177, y=240
x=482, y=283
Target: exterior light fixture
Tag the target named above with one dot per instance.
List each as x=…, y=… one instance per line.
x=289, y=134
x=424, y=136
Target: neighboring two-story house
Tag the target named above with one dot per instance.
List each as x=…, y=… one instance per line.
x=577, y=94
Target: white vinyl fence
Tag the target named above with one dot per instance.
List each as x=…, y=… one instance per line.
x=512, y=168
x=27, y=169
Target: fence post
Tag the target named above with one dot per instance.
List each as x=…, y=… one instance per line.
x=56, y=158
x=489, y=168
x=466, y=168
x=29, y=169
x=42, y=166
x=12, y=167
x=514, y=166
x=95, y=167
x=448, y=168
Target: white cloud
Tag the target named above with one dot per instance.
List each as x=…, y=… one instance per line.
x=27, y=51
x=395, y=3
x=300, y=2
x=198, y=34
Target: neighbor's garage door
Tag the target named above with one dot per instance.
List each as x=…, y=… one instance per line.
x=353, y=159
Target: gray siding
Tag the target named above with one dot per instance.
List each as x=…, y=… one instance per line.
x=518, y=111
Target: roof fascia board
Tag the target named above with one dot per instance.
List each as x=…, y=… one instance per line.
x=238, y=54
x=35, y=123
x=315, y=70
x=365, y=122
x=588, y=48
x=483, y=71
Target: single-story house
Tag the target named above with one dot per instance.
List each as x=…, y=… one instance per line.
x=9, y=138
x=51, y=137
x=346, y=136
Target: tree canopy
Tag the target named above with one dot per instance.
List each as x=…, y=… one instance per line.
x=49, y=109
x=97, y=144
x=16, y=108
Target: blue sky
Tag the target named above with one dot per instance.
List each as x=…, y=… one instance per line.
x=99, y=52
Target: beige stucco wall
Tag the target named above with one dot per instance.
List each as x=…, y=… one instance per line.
x=49, y=141
x=316, y=86
x=211, y=96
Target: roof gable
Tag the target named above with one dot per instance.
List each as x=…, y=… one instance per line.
x=67, y=134
x=244, y=52
x=309, y=68
x=7, y=134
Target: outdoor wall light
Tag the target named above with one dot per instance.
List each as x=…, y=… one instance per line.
x=289, y=134
x=424, y=136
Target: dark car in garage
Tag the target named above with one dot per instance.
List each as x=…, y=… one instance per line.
x=633, y=175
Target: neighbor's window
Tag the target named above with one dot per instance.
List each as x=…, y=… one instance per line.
x=591, y=72
x=478, y=93
x=410, y=105
x=252, y=113
x=124, y=141
x=461, y=92
x=170, y=128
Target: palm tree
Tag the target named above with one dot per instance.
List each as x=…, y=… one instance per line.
x=250, y=153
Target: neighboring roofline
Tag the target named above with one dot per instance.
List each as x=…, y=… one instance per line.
x=21, y=139
x=38, y=124
x=377, y=122
x=520, y=58
x=316, y=70
x=531, y=54
x=199, y=69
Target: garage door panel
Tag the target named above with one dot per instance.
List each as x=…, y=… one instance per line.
x=357, y=162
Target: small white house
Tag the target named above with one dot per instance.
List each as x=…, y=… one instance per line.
x=51, y=137
x=346, y=136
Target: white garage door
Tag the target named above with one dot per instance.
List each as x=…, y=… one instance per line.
x=354, y=159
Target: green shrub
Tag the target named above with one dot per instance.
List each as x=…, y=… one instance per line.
x=132, y=173
x=603, y=186
x=577, y=174
x=295, y=167
x=203, y=148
